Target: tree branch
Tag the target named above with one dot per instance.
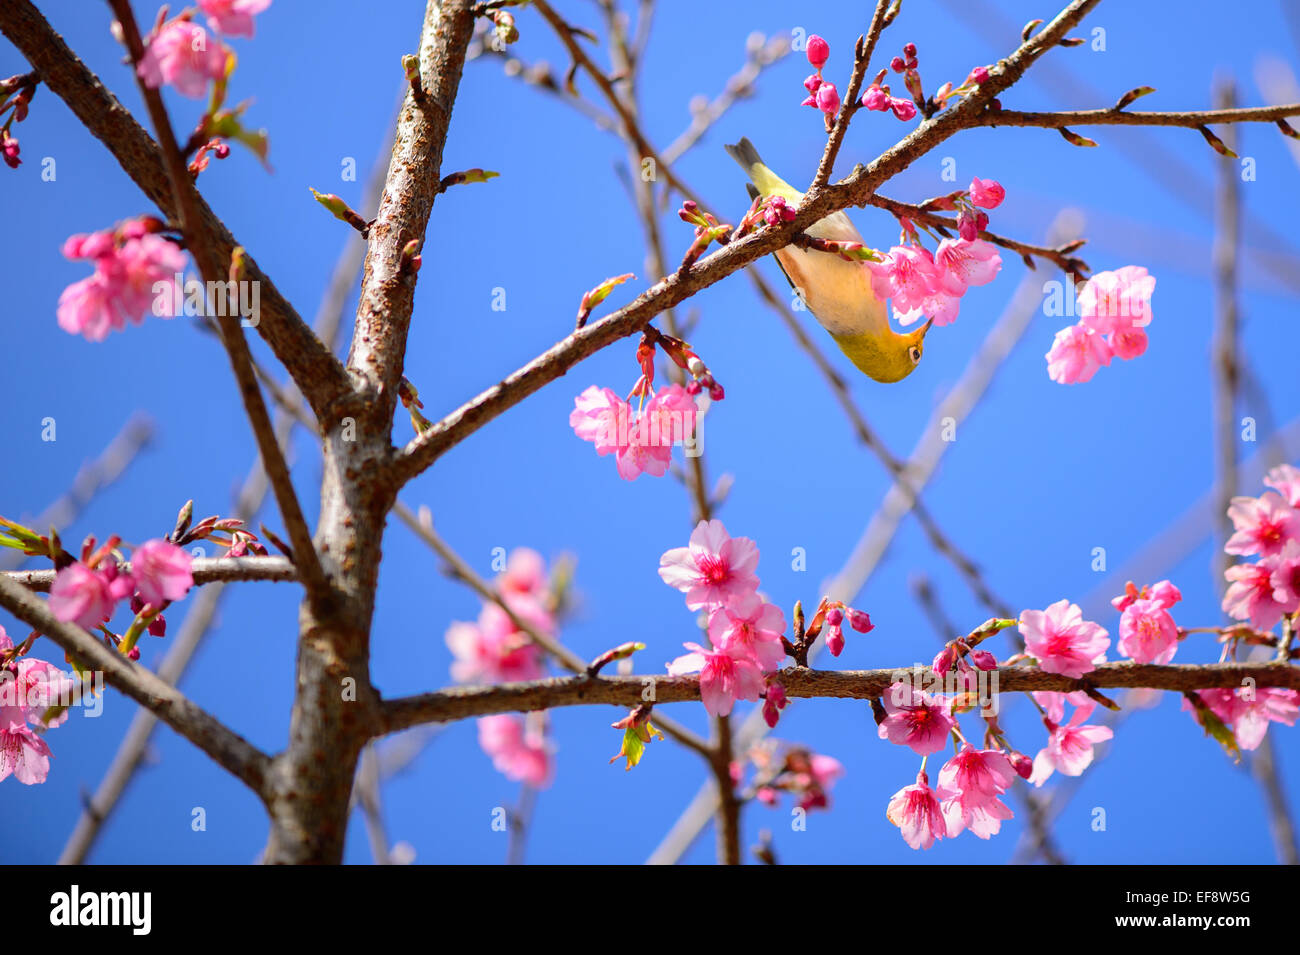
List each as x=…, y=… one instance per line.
x=414, y=172
x=1191, y=119
x=818, y=203
x=206, y=570
x=465, y=701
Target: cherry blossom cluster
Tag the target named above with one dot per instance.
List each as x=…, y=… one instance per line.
x=1115, y=310
x=642, y=438
x=493, y=649
x=193, y=60
x=970, y=784
x=86, y=591
x=30, y=691
x=746, y=633
x=1267, y=528
x=16, y=93
x=135, y=274
x=793, y=770
x=931, y=285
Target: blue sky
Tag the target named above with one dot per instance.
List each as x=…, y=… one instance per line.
x=1037, y=478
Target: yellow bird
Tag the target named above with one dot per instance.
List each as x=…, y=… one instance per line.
x=836, y=291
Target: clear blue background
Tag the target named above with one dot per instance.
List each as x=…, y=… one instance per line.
x=1038, y=477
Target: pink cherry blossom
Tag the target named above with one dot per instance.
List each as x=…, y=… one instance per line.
x=715, y=570
x=23, y=752
x=986, y=193
x=915, y=810
x=127, y=267
x=1147, y=632
x=818, y=51
x=1128, y=343
x=962, y=263
x=1062, y=640
x=518, y=748
x=726, y=674
x=1164, y=593
x=915, y=719
x=184, y=55
x=1069, y=747
x=32, y=686
x=1054, y=703
x=161, y=571
x=1249, y=711
x=1118, y=301
x=1076, y=354
x=814, y=785
x=87, y=597
x=1284, y=575
x=1263, y=524
x=494, y=650
x=982, y=816
x=753, y=625
x=904, y=109
x=525, y=573
x=641, y=443
x=232, y=17
x=985, y=772
x=1250, y=595
x=1285, y=478
x=907, y=275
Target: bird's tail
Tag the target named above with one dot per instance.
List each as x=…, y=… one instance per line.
x=768, y=182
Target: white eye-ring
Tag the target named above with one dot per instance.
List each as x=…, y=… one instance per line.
x=914, y=353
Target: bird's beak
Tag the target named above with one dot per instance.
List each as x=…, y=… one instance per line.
x=926, y=328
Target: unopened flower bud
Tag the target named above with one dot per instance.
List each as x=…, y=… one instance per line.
x=819, y=51
x=984, y=660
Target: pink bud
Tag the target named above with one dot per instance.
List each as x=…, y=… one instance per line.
x=860, y=621
x=904, y=109
x=158, y=626
x=1022, y=764
x=819, y=51
x=766, y=795
x=876, y=98
x=834, y=640
x=716, y=392
x=984, y=660
x=693, y=387
x=987, y=193
x=828, y=99
x=909, y=50
x=979, y=74
x=897, y=64
x=943, y=661
x=133, y=653
x=812, y=83
x=835, y=616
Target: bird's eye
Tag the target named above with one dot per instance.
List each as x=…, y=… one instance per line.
x=914, y=353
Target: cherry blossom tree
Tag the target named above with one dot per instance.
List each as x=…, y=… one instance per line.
x=746, y=659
